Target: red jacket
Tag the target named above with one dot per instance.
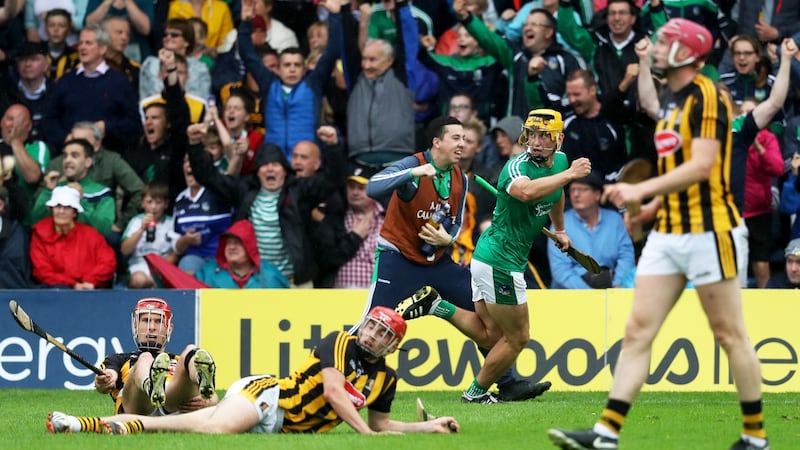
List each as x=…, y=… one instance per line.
x=761, y=169
x=82, y=255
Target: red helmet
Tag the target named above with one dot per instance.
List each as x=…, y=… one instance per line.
x=691, y=35
x=146, y=336
x=381, y=331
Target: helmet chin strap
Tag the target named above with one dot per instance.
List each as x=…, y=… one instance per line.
x=544, y=157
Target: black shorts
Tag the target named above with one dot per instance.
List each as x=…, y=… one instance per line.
x=760, y=241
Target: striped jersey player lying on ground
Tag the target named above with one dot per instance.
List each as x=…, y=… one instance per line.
x=343, y=374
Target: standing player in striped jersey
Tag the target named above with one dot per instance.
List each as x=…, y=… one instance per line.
x=343, y=374
x=698, y=235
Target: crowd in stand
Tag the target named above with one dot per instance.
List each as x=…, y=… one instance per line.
x=235, y=138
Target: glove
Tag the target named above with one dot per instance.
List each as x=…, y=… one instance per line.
x=600, y=280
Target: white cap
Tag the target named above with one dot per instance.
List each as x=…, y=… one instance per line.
x=66, y=196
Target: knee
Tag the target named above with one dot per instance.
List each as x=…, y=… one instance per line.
x=518, y=339
x=139, y=280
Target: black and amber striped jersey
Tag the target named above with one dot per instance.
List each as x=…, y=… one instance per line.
x=696, y=111
x=369, y=385
x=122, y=363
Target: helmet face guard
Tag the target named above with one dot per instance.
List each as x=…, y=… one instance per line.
x=381, y=331
x=692, y=36
x=151, y=323
x=546, y=123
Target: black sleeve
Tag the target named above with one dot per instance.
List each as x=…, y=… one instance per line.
x=351, y=56
x=399, y=64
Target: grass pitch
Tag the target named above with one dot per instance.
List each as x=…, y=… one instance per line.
x=658, y=421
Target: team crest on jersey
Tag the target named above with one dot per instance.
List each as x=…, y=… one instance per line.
x=358, y=399
x=543, y=209
x=667, y=142
x=504, y=290
x=263, y=406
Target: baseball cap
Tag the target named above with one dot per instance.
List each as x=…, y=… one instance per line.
x=66, y=196
x=32, y=48
x=361, y=175
x=594, y=179
x=793, y=249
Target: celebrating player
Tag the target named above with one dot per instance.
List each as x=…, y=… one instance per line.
x=530, y=189
x=343, y=374
x=150, y=380
x=698, y=235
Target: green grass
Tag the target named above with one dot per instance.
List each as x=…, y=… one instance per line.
x=660, y=421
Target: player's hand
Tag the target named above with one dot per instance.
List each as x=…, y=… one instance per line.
x=425, y=170
x=438, y=237
x=563, y=242
x=106, y=382
x=580, y=168
x=788, y=48
x=444, y=425
x=620, y=194
x=643, y=48
x=195, y=403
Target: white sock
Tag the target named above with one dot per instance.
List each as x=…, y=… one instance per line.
x=74, y=424
x=754, y=440
x=604, y=431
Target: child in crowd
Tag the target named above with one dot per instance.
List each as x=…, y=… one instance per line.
x=149, y=232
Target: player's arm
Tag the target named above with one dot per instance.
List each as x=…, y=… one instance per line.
x=695, y=170
x=333, y=385
x=648, y=96
x=381, y=421
x=526, y=190
x=765, y=110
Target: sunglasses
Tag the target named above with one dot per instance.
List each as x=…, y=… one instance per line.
x=173, y=34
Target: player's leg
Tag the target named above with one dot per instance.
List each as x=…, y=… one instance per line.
x=194, y=376
x=135, y=394
x=514, y=325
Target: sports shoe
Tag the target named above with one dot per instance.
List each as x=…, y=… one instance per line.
x=57, y=423
x=421, y=303
x=485, y=399
x=580, y=440
x=206, y=369
x=520, y=390
x=114, y=427
x=741, y=444
x=156, y=385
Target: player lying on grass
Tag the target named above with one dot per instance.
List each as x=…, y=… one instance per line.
x=343, y=374
x=151, y=381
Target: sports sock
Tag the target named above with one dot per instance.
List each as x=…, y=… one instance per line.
x=753, y=421
x=134, y=426
x=443, y=308
x=80, y=423
x=475, y=389
x=613, y=418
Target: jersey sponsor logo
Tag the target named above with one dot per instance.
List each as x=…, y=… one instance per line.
x=358, y=399
x=667, y=142
x=543, y=209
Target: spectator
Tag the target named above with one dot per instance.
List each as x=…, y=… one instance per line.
x=108, y=169
x=34, y=89
x=178, y=37
x=238, y=115
x=149, y=232
x=159, y=155
x=215, y=13
x=277, y=203
x=202, y=52
x=97, y=200
x=480, y=203
x=597, y=231
x=119, y=35
x=364, y=217
x=588, y=133
x=278, y=36
x=238, y=263
x=29, y=156
x=66, y=253
x=538, y=69
x=15, y=262
x=137, y=13
x=95, y=93
x=10, y=10
x=752, y=75
x=197, y=105
x=201, y=216
x=505, y=137
x=62, y=57
x=764, y=163
x=380, y=110
x=790, y=279
x=790, y=196
x=462, y=107
x=36, y=15
x=768, y=22
x=292, y=98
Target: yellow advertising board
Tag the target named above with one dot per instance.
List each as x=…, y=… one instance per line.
x=575, y=339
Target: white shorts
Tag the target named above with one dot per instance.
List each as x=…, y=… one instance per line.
x=139, y=267
x=494, y=286
x=704, y=258
x=263, y=391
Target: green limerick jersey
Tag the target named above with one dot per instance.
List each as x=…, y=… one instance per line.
x=506, y=243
